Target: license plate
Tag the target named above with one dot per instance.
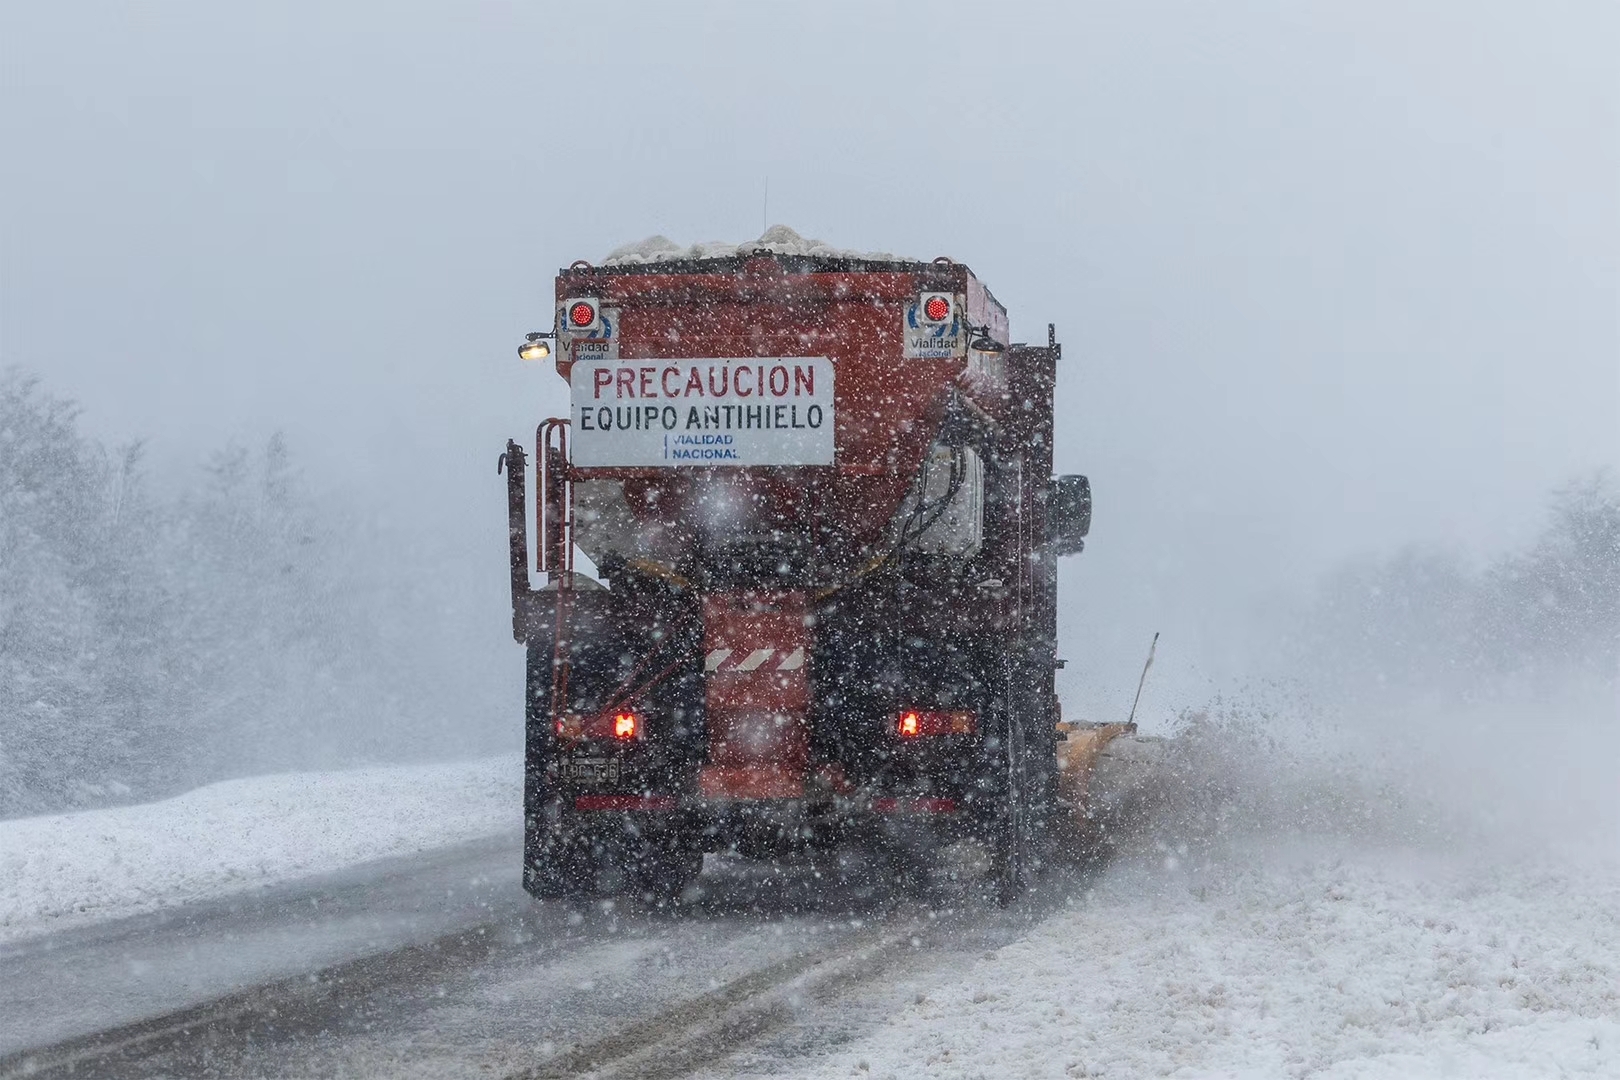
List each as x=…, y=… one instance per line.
x=591, y=772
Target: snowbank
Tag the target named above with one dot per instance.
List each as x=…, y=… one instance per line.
x=67, y=869
x=1309, y=961
x=778, y=238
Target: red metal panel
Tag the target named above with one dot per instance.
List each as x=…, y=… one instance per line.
x=888, y=408
x=749, y=782
x=756, y=658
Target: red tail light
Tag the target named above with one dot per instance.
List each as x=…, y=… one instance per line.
x=623, y=726
x=917, y=723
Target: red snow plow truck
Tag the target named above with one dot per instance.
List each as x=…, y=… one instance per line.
x=817, y=494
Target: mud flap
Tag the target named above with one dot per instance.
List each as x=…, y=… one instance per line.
x=583, y=856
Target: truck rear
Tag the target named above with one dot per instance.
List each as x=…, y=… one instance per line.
x=817, y=494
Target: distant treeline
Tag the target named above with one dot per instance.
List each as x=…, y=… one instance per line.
x=149, y=644
x=1429, y=622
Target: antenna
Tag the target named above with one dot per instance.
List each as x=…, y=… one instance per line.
x=1132, y=718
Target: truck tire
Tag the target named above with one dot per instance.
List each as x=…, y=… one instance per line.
x=552, y=868
x=1009, y=826
x=1008, y=862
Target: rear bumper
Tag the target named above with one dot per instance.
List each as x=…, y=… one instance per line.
x=880, y=805
x=647, y=803
x=774, y=826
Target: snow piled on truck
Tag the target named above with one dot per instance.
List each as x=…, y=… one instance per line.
x=68, y=869
x=778, y=239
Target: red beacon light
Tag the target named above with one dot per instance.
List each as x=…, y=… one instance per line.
x=582, y=314
x=937, y=308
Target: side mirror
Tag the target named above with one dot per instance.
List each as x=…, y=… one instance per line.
x=1068, y=514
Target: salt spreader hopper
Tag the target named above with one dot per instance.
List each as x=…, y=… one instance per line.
x=817, y=493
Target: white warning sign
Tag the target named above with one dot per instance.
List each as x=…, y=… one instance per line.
x=706, y=412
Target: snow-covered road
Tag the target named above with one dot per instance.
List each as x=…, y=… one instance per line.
x=1309, y=959
x=1431, y=894
x=108, y=973
x=1280, y=916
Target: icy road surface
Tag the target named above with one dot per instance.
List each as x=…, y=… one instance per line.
x=1259, y=953
x=89, y=978
x=1307, y=960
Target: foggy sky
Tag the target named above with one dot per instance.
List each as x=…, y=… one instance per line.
x=1329, y=278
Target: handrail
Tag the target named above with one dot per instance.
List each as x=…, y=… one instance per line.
x=517, y=529
x=554, y=501
x=554, y=512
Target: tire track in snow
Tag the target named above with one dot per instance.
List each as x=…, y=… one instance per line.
x=707, y=1028
x=284, y=1007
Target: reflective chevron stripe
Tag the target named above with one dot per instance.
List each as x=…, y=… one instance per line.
x=755, y=659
